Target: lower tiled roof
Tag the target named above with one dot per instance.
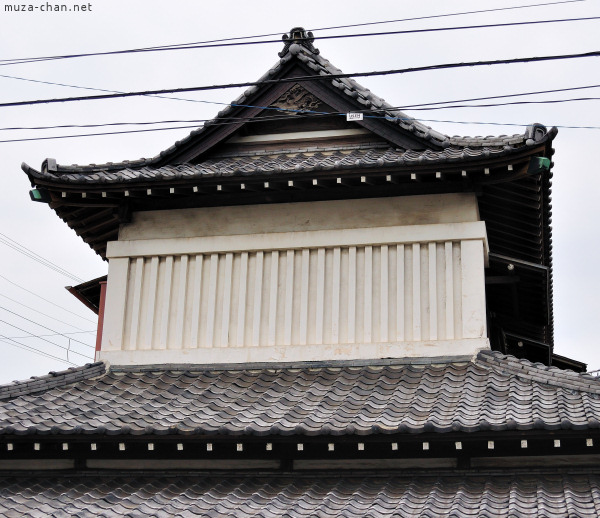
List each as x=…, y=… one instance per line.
x=489, y=392
x=561, y=495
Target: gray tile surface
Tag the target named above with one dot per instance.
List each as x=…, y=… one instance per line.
x=493, y=392
x=294, y=162
x=566, y=495
x=454, y=147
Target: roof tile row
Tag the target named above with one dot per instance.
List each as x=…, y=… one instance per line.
x=278, y=163
x=492, y=392
x=314, y=496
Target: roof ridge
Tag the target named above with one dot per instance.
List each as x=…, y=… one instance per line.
x=563, y=378
x=298, y=45
x=336, y=364
x=52, y=380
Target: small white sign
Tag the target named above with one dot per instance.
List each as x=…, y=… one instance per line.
x=354, y=116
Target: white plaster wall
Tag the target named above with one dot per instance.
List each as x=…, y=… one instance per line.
x=307, y=216
x=413, y=290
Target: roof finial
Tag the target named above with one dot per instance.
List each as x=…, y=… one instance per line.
x=300, y=36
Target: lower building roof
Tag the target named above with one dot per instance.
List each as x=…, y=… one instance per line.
x=297, y=495
x=490, y=392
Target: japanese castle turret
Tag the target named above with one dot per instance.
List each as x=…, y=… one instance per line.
x=315, y=306
x=321, y=225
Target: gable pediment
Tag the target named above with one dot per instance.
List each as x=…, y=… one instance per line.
x=308, y=103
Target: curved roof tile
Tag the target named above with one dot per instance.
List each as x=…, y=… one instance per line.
x=490, y=392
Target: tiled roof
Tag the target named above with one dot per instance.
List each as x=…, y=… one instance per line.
x=556, y=495
x=52, y=380
x=303, y=52
x=490, y=392
x=292, y=162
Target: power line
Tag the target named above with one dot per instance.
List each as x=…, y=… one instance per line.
x=242, y=119
x=44, y=339
x=538, y=92
x=296, y=117
x=512, y=103
x=95, y=134
x=126, y=132
x=404, y=107
x=45, y=327
x=11, y=243
x=442, y=15
x=105, y=90
x=327, y=77
x=19, y=345
x=52, y=334
x=46, y=315
x=53, y=303
x=364, y=24
x=261, y=42
x=507, y=124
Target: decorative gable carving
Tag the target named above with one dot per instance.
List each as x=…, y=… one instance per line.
x=297, y=98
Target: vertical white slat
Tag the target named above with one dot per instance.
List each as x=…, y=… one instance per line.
x=416, y=261
x=351, y=294
x=258, y=281
x=449, y=291
x=212, y=300
x=368, y=309
x=135, y=308
x=226, y=314
x=181, y=294
x=335, y=297
x=289, y=298
x=151, y=302
x=166, y=307
x=196, y=301
x=320, y=306
x=241, y=327
x=457, y=289
x=384, y=296
x=433, y=309
x=400, y=293
x=473, y=289
x=116, y=297
x=273, y=296
x=304, y=296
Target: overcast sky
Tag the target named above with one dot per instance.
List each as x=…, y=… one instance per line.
x=116, y=25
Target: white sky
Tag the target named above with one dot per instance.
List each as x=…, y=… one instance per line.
x=116, y=25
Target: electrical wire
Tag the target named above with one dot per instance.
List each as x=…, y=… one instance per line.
x=391, y=118
x=53, y=303
x=404, y=107
x=512, y=103
x=25, y=347
x=57, y=137
x=45, y=327
x=278, y=41
x=52, y=334
x=481, y=11
x=109, y=91
x=38, y=312
x=328, y=77
x=11, y=243
x=505, y=96
x=561, y=126
x=242, y=119
x=44, y=339
x=364, y=24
